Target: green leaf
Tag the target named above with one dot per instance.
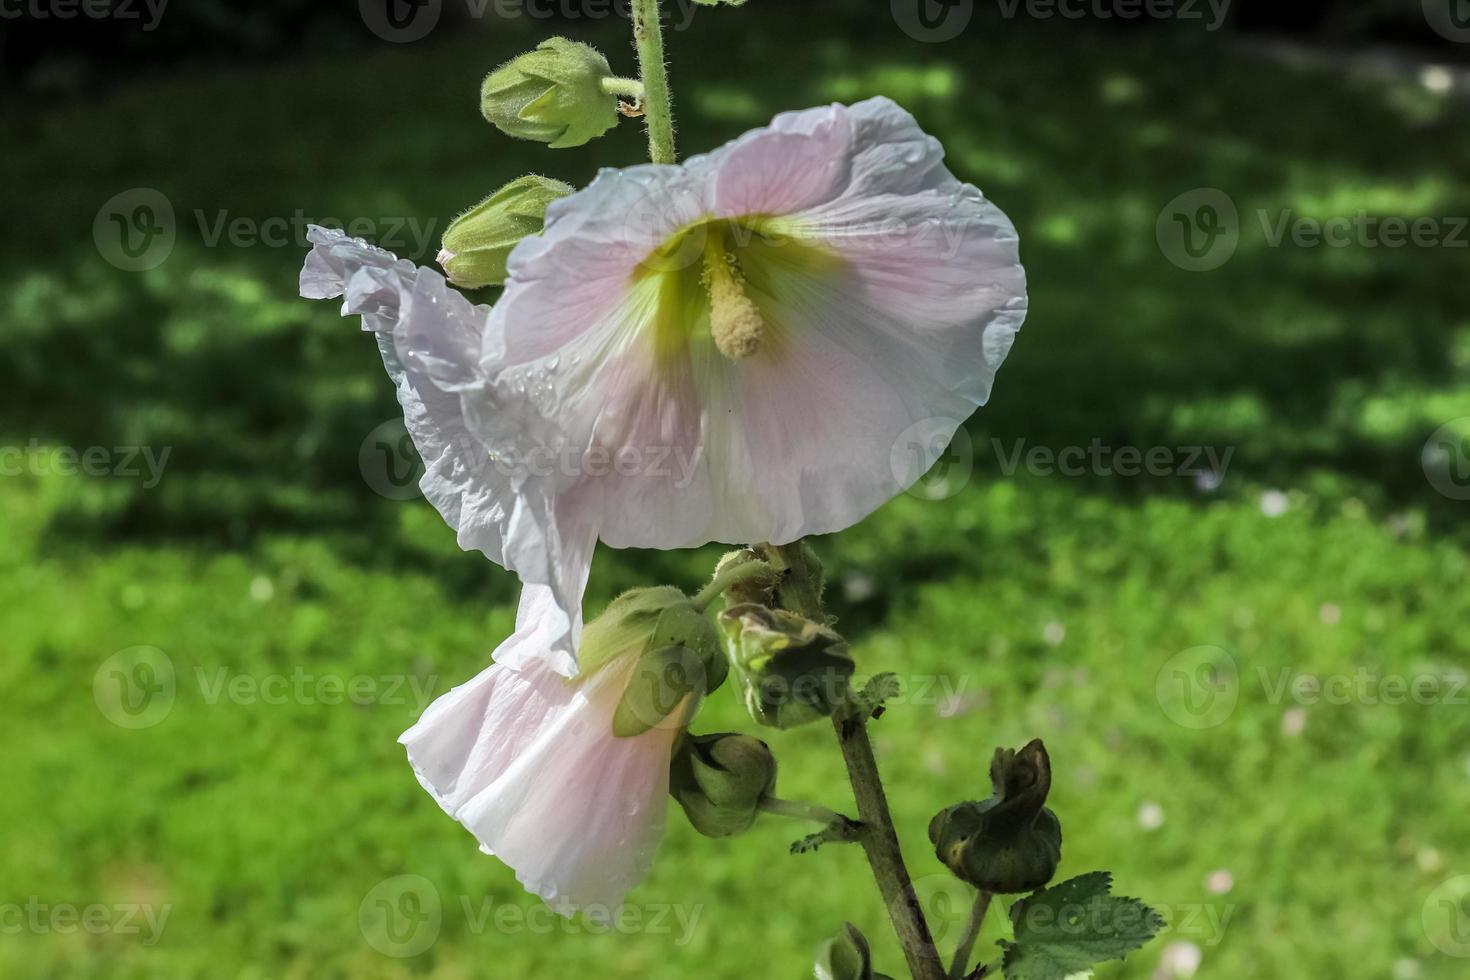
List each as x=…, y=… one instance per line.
x=1065, y=929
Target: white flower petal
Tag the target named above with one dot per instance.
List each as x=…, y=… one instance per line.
x=527, y=762
x=474, y=440
x=877, y=363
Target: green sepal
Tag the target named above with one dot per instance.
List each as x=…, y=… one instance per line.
x=792, y=670
x=1066, y=929
x=721, y=780
x=1011, y=842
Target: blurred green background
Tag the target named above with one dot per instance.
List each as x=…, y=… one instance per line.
x=288, y=612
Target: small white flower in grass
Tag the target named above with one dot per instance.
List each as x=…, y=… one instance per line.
x=1294, y=721
x=1179, y=961
x=1220, y=882
x=1150, y=816
x=765, y=342
x=1274, y=503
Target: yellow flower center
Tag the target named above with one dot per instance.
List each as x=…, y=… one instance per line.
x=726, y=282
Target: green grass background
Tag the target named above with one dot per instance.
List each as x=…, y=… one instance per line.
x=1049, y=605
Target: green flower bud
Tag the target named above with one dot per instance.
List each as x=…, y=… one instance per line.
x=792, y=670
x=721, y=780
x=553, y=95
x=1011, y=842
x=477, y=243
x=846, y=957
x=678, y=651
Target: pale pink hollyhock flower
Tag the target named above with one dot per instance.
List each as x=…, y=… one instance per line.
x=527, y=761
x=764, y=342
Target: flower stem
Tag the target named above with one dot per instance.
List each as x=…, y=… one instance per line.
x=880, y=843
x=797, y=810
x=732, y=576
x=801, y=592
x=648, y=36
x=972, y=932
x=629, y=87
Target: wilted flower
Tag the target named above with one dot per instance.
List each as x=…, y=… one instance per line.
x=766, y=342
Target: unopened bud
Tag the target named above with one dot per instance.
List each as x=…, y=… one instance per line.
x=477, y=243
x=792, y=670
x=678, y=651
x=553, y=95
x=721, y=781
x=1011, y=842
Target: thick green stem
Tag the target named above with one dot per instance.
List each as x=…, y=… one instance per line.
x=971, y=933
x=658, y=111
x=880, y=843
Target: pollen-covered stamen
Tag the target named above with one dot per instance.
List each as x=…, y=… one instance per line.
x=734, y=321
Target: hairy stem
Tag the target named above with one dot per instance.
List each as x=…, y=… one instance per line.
x=648, y=36
x=971, y=933
x=630, y=87
x=880, y=843
x=729, y=577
